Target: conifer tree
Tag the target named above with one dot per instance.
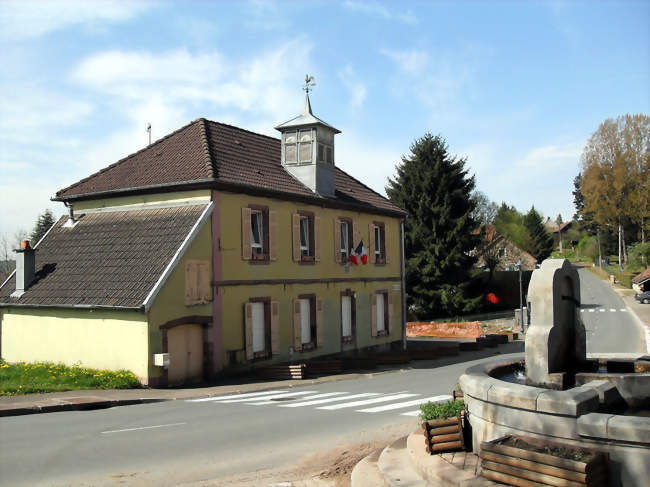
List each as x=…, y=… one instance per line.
x=435, y=189
x=542, y=240
x=43, y=224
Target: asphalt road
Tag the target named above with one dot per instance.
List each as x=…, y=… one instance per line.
x=608, y=325
x=181, y=441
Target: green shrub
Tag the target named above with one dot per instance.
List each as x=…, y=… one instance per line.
x=27, y=378
x=441, y=410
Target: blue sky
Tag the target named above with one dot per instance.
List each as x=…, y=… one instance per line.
x=516, y=87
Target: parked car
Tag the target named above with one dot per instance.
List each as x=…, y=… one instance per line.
x=643, y=297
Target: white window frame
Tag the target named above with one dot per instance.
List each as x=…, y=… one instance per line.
x=305, y=321
x=258, y=325
x=257, y=247
x=301, y=143
x=381, y=312
x=346, y=312
x=304, y=249
x=377, y=243
x=345, y=245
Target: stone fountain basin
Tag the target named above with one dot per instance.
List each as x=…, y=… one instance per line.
x=575, y=416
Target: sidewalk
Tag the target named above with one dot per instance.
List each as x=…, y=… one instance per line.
x=640, y=311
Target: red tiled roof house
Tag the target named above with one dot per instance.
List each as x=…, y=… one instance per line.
x=212, y=249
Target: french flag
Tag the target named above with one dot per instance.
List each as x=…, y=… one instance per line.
x=359, y=253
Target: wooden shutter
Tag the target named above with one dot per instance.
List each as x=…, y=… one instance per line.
x=203, y=282
x=356, y=238
x=246, y=233
x=317, y=238
x=190, y=283
x=391, y=318
x=273, y=235
x=373, y=301
x=320, y=324
x=295, y=225
x=248, y=328
x=297, y=330
x=275, y=327
x=371, y=243
x=337, y=240
x=386, y=243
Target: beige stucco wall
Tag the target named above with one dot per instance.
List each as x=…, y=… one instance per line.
x=106, y=339
x=235, y=268
x=170, y=302
x=195, y=196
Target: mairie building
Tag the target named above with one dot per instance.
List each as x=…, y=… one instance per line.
x=212, y=250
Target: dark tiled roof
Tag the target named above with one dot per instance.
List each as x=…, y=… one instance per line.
x=206, y=150
x=642, y=276
x=107, y=259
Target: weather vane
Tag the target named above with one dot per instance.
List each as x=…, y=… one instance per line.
x=309, y=83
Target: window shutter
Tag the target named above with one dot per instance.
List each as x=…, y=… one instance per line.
x=371, y=243
x=297, y=334
x=190, y=283
x=391, y=318
x=320, y=326
x=246, y=233
x=355, y=235
x=248, y=325
x=317, y=238
x=273, y=235
x=373, y=301
x=386, y=243
x=203, y=281
x=295, y=225
x=337, y=240
x=275, y=327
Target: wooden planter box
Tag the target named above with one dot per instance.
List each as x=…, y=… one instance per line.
x=443, y=435
x=530, y=462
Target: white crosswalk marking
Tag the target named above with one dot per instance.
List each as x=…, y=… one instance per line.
x=233, y=396
x=592, y=310
x=323, y=401
x=400, y=405
x=623, y=309
x=274, y=396
x=368, y=401
x=315, y=396
x=602, y=310
x=612, y=309
x=582, y=310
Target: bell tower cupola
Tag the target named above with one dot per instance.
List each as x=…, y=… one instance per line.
x=308, y=148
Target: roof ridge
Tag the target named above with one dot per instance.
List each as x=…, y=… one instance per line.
x=242, y=129
x=207, y=149
x=103, y=170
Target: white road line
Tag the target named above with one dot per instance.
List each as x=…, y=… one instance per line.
x=143, y=428
x=602, y=310
x=233, y=396
x=274, y=396
x=592, y=310
x=623, y=309
x=316, y=396
x=582, y=310
x=369, y=401
x=411, y=413
x=323, y=401
x=399, y=405
x=612, y=309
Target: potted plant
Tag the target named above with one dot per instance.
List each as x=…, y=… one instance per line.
x=442, y=424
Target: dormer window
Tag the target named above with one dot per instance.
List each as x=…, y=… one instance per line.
x=290, y=147
x=305, y=146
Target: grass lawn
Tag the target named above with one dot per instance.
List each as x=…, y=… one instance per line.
x=27, y=378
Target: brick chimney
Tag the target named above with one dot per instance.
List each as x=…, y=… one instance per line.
x=25, y=268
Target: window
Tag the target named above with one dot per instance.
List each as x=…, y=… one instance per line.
x=380, y=243
x=305, y=146
x=348, y=316
x=503, y=253
x=381, y=306
x=381, y=311
x=305, y=230
x=346, y=239
x=304, y=236
x=290, y=150
x=197, y=282
x=307, y=322
x=259, y=332
x=257, y=232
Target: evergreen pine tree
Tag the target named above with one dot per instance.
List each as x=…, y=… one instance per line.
x=43, y=224
x=435, y=189
x=542, y=240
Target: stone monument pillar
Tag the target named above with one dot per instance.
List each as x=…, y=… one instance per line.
x=555, y=341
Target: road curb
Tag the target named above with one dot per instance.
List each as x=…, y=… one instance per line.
x=84, y=406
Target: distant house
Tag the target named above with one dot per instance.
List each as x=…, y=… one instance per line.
x=641, y=282
x=212, y=249
x=506, y=253
x=559, y=233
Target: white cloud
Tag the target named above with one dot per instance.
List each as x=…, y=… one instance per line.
x=21, y=20
x=357, y=89
x=375, y=9
x=411, y=61
x=551, y=157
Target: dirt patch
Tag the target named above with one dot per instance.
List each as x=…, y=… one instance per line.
x=576, y=454
x=467, y=329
